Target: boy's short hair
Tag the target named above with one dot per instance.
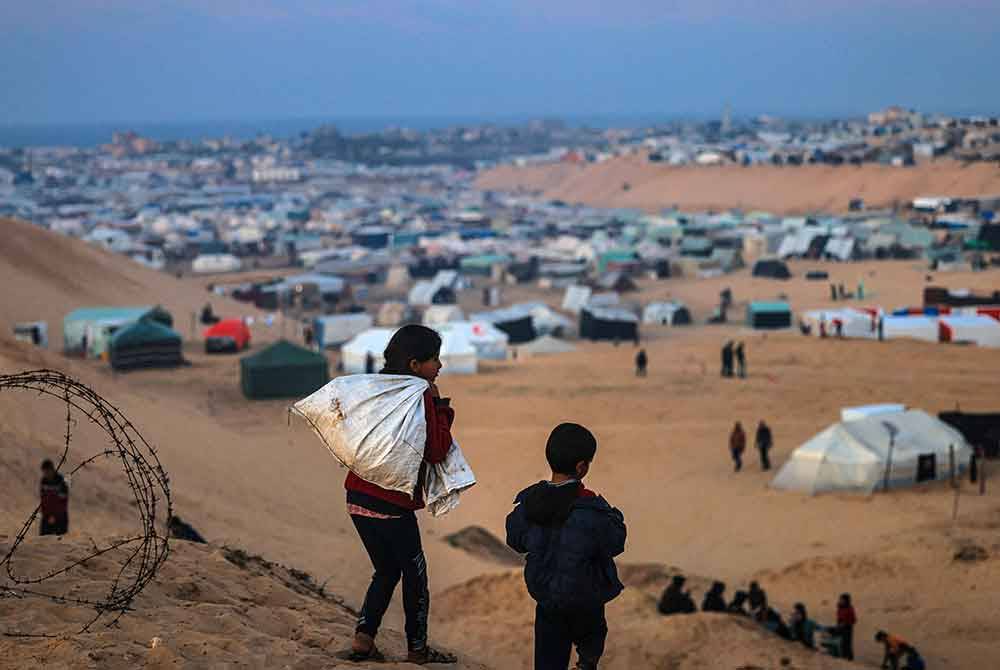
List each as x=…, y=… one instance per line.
x=48, y=465
x=569, y=443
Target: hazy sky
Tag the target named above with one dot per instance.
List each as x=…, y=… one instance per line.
x=178, y=60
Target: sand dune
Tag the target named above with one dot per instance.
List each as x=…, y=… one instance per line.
x=244, y=477
x=632, y=181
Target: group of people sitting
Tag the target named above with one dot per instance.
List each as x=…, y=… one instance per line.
x=753, y=603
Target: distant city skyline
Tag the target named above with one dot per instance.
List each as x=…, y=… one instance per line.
x=127, y=62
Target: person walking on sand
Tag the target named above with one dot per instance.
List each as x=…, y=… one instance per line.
x=764, y=441
x=727, y=359
x=737, y=444
x=386, y=521
x=54, y=507
x=641, y=360
x=741, y=361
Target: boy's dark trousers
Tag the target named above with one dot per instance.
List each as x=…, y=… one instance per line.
x=395, y=551
x=558, y=629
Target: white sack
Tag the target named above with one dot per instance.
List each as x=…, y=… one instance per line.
x=374, y=425
x=446, y=481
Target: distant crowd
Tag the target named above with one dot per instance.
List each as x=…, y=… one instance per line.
x=836, y=640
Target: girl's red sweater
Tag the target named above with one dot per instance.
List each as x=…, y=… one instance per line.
x=439, y=418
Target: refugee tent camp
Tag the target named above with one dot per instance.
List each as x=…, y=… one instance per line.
x=145, y=344
x=91, y=327
x=608, y=323
x=227, y=335
x=666, y=314
x=458, y=354
x=771, y=268
x=769, y=315
x=335, y=329
x=282, y=370
x=903, y=448
x=977, y=329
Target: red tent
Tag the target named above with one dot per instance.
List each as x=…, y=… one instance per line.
x=228, y=335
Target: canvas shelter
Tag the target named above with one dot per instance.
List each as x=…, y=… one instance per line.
x=33, y=332
x=282, y=370
x=516, y=321
x=227, y=335
x=103, y=321
x=438, y=314
x=576, y=298
x=977, y=329
x=666, y=314
x=854, y=323
x=145, y=344
x=488, y=340
x=857, y=456
x=923, y=328
x=771, y=268
x=546, y=345
x=335, y=329
x=981, y=430
x=608, y=323
x=458, y=354
x=769, y=315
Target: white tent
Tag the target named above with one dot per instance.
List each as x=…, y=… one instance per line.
x=854, y=323
x=458, y=355
x=211, y=263
x=488, y=341
x=978, y=329
x=545, y=345
x=855, y=455
x=910, y=327
x=666, y=313
x=438, y=314
x=336, y=329
x=576, y=298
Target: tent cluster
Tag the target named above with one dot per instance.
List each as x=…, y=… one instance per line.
x=127, y=337
x=970, y=325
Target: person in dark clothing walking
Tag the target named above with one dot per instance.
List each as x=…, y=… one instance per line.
x=764, y=442
x=727, y=359
x=741, y=361
x=675, y=599
x=714, y=600
x=641, y=360
x=385, y=520
x=846, y=620
x=738, y=606
x=54, y=495
x=737, y=444
x=570, y=536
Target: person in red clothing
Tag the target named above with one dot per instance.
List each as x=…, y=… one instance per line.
x=846, y=620
x=54, y=508
x=385, y=520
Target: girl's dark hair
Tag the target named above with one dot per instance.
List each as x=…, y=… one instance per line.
x=411, y=342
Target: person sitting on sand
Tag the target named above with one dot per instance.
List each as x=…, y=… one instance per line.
x=675, y=599
x=896, y=650
x=738, y=606
x=802, y=628
x=757, y=597
x=571, y=536
x=769, y=618
x=714, y=599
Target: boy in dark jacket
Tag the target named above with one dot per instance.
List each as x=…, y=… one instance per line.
x=571, y=536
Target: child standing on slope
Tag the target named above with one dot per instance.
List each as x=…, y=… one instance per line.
x=385, y=520
x=571, y=536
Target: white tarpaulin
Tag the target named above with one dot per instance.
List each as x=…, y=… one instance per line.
x=375, y=426
x=856, y=455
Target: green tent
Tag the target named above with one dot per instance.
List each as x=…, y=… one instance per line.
x=102, y=322
x=145, y=344
x=283, y=370
x=769, y=315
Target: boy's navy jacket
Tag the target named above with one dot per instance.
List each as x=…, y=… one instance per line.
x=570, y=539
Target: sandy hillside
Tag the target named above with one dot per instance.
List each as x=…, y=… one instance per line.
x=652, y=186
x=244, y=477
x=211, y=608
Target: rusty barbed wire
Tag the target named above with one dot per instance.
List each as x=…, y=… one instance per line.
x=145, y=552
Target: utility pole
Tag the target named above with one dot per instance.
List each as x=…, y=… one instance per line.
x=892, y=444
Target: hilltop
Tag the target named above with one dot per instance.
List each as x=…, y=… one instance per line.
x=633, y=181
